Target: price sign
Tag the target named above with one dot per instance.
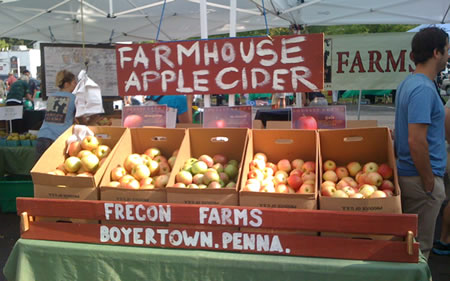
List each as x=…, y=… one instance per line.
x=327, y=117
x=11, y=112
x=227, y=117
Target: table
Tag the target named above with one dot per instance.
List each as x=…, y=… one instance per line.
x=17, y=160
x=49, y=260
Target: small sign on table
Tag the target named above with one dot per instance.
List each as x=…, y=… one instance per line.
x=227, y=117
x=327, y=117
x=148, y=116
x=11, y=112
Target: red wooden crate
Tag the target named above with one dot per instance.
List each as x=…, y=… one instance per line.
x=139, y=233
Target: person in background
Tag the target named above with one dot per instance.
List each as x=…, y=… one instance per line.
x=17, y=92
x=442, y=246
x=420, y=134
x=11, y=79
x=60, y=114
x=31, y=82
x=175, y=101
x=2, y=89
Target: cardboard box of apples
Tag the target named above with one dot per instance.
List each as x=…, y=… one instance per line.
x=208, y=167
x=280, y=169
x=74, y=171
x=141, y=166
x=358, y=171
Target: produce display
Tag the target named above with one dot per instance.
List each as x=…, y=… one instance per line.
x=356, y=181
x=296, y=176
x=208, y=172
x=83, y=158
x=149, y=170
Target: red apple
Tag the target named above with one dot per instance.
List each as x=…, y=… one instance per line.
x=218, y=167
x=367, y=190
x=184, y=177
x=214, y=185
x=387, y=185
x=160, y=159
x=90, y=143
x=378, y=194
x=125, y=179
x=308, y=176
x=83, y=153
x=117, y=173
x=350, y=181
x=224, y=178
x=179, y=185
x=306, y=189
x=146, y=181
x=133, y=121
x=210, y=176
x=257, y=164
x=353, y=168
x=388, y=192
x=171, y=161
x=113, y=184
x=252, y=185
x=282, y=188
x=268, y=188
x=280, y=177
x=207, y=159
x=385, y=171
x=297, y=164
x=357, y=196
x=256, y=174
x=296, y=172
x=295, y=181
x=268, y=172
x=340, y=194
x=306, y=123
x=219, y=158
x=374, y=178
x=161, y=181
x=327, y=190
x=341, y=172
x=221, y=123
x=333, y=184
x=284, y=165
x=132, y=184
x=74, y=148
x=198, y=179
x=329, y=165
x=309, y=166
x=193, y=186
x=272, y=166
x=152, y=152
x=349, y=190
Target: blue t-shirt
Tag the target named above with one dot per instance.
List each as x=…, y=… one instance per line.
x=59, y=116
x=418, y=102
x=176, y=101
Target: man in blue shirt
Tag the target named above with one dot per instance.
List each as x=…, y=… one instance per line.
x=175, y=101
x=420, y=134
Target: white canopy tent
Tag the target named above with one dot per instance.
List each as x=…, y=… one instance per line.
x=107, y=21
x=342, y=12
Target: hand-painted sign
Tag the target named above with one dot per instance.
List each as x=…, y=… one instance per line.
x=227, y=117
x=234, y=65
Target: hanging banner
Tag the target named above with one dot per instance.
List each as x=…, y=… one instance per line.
x=372, y=61
x=222, y=66
x=227, y=117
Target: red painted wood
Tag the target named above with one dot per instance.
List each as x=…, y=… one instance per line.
x=295, y=219
x=310, y=51
x=292, y=244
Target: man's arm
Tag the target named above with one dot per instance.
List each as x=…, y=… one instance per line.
x=418, y=146
x=447, y=124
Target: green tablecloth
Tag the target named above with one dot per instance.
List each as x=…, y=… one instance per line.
x=16, y=160
x=48, y=260
x=352, y=93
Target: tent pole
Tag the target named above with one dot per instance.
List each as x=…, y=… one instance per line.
x=204, y=34
x=231, y=97
x=359, y=104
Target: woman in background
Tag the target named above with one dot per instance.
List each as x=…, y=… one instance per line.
x=60, y=114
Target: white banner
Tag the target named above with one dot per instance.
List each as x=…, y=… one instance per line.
x=373, y=61
x=11, y=112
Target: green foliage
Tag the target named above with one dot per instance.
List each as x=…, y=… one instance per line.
x=6, y=42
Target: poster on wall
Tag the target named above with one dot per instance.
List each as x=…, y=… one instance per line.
x=139, y=116
x=222, y=66
x=227, y=117
x=367, y=61
x=326, y=117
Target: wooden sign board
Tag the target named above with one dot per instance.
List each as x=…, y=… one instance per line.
x=291, y=63
x=326, y=117
x=227, y=117
x=127, y=223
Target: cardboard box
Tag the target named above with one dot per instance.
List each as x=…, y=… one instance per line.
x=68, y=187
x=137, y=140
x=362, y=145
x=362, y=123
x=277, y=145
x=199, y=141
x=278, y=124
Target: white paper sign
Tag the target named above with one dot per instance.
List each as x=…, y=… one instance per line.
x=11, y=112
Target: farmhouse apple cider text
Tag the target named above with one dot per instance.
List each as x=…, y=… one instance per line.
x=188, y=238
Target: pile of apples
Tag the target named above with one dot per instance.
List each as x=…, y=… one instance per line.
x=208, y=172
x=83, y=159
x=356, y=181
x=296, y=176
x=143, y=171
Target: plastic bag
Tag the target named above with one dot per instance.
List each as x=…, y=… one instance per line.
x=88, y=100
x=79, y=133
